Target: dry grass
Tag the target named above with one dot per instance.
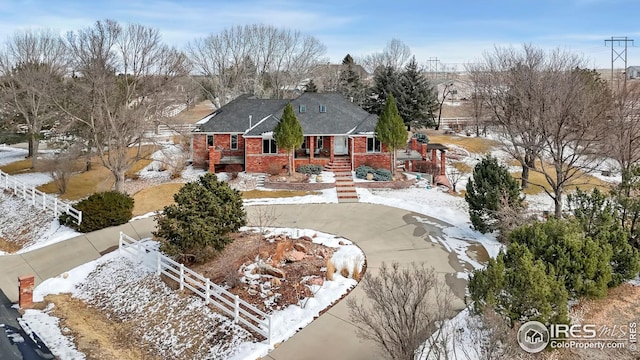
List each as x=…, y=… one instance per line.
x=99, y=178
x=260, y=194
x=95, y=335
x=586, y=182
x=196, y=113
x=476, y=145
x=9, y=246
x=154, y=198
x=84, y=184
x=619, y=308
x=463, y=167
x=18, y=167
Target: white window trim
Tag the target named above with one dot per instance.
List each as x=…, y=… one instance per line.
x=231, y=141
x=375, y=140
x=270, y=139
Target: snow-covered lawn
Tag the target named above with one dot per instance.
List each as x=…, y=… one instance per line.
x=10, y=154
x=127, y=291
x=29, y=226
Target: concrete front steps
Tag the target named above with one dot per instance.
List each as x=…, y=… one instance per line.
x=345, y=187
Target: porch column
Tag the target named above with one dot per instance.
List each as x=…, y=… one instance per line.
x=443, y=158
x=311, y=144
x=433, y=156
x=331, y=142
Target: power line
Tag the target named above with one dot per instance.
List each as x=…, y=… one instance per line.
x=618, y=54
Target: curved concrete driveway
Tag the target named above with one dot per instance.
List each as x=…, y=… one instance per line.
x=384, y=234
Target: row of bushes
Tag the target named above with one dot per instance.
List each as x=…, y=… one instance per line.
x=378, y=174
x=310, y=169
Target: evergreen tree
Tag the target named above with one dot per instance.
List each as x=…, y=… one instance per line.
x=288, y=133
x=386, y=82
x=311, y=87
x=582, y=263
x=390, y=129
x=600, y=220
x=348, y=60
x=519, y=287
x=196, y=227
x=491, y=182
x=350, y=83
x=417, y=101
x=628, y=203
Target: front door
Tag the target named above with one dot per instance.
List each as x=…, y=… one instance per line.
x=340, y=145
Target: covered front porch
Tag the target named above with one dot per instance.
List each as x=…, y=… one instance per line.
x=322, y=149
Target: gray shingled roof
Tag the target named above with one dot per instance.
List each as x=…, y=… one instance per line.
x=341, y=116
x=234, y=116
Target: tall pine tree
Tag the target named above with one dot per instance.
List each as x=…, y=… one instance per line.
x=311, y=87
x=417, y=100
x=288, y=134
x=390, y=129
x=350, y=83
x=386, y=82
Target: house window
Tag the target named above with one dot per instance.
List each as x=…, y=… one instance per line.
x=303, y=108
x=304, y=143
x=373, y=144
x=234, y=141
x=319, y=142
x=209, y=140
x=323, y=108
x=269, y=146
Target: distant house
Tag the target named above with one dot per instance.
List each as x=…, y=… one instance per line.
x=633, y=72
x=241, y=133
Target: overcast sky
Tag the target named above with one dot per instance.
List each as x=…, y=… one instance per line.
x=454, y=32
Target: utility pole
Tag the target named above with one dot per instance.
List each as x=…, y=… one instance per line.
x=621, y=54
x=433, y=61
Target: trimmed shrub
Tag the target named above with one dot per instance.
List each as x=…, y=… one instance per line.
x=421, y=138
x=382, y=175
x=363, y=170
x=311, y=169
x=101, y=210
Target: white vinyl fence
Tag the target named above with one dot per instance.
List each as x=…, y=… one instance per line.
x=37, y=198
x=237, y=309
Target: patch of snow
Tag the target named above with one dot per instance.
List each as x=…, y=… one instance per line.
x=327, y=177
x=33, y=179
x=48, y=329
x=10, y=154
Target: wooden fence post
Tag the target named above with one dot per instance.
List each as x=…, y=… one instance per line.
x=159, y=260
x=236, y=308
x=208, y=292
x=181, y=276
x=269, y=330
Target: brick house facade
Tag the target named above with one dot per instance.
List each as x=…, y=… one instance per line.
x=240, y=133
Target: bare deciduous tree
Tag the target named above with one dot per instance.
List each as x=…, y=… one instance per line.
x=403, y=308
x=546, y=107
x=32, y=64
x=262, y=217
x=447, y=90
x=623, y=143
x=259, y=59
x=123, y=79
x=509, y=83
x=62, y=165
x=454, y=175
x=395, y=54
